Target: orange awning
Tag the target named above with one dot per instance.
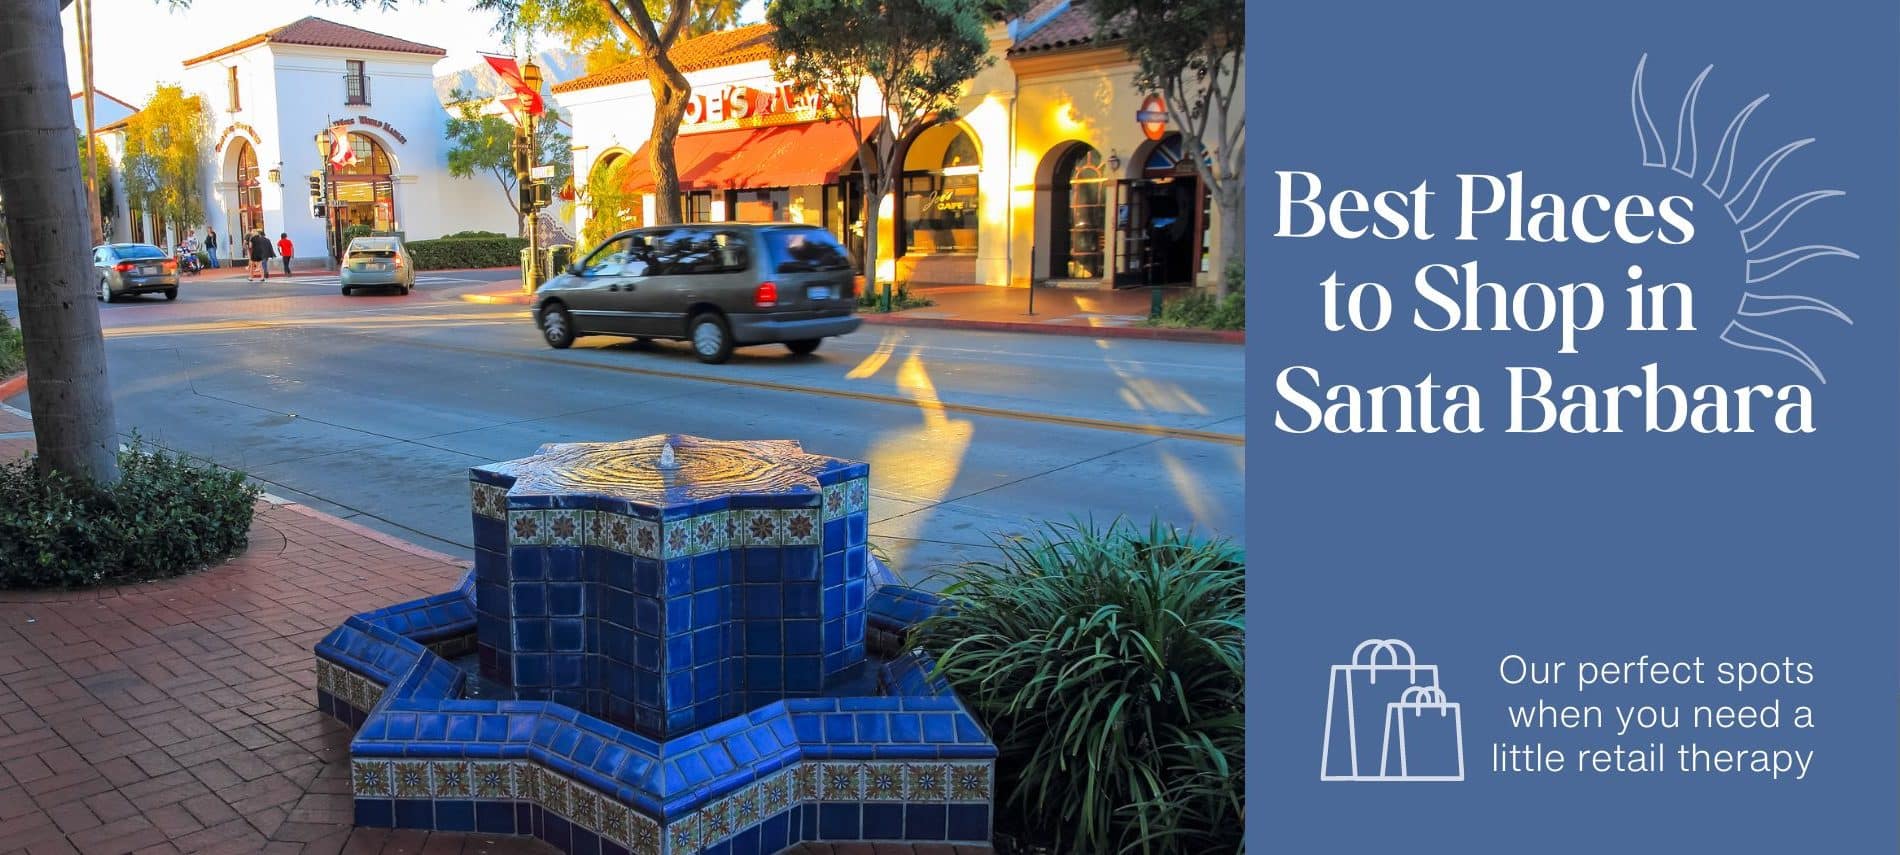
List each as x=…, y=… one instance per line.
x=749, y=158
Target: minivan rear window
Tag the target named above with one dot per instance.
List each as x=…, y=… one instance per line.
x=372, y=253
x=805, y=250
x=133, y=251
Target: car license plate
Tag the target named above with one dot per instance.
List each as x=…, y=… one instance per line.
x=379, y=266
x=147, y=269
x=819, y=292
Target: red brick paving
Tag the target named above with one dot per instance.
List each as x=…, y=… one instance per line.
x=180, y=716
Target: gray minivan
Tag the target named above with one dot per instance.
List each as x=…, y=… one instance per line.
x=715, y=285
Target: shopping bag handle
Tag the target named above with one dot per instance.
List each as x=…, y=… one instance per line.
x=1421, y=697
x=1372, y=647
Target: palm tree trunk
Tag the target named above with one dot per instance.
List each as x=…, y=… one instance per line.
x=46, y=221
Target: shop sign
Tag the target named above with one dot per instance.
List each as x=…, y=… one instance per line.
x=237, y=128
x=738, y=103
x=1153, y=117
x=379, y=124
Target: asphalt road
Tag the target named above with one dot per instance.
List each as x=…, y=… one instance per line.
x=374, y=407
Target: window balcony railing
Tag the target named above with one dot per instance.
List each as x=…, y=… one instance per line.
x=356, y=89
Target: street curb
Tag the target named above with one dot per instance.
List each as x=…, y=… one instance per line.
x=12, y=386
x=1150, y=333
x=392, y=542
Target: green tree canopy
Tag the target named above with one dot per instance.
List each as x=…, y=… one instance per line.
x=482, y=144
x=916, y=54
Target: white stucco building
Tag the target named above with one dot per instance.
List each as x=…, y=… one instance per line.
x=273, y=94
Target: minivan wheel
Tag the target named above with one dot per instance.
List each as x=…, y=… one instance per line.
x=557, y=326
x=712, y=339
x=803, y=346
x=171, y=293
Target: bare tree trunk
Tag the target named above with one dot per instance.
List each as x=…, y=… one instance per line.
x=41, y=181
x=669, y=109
x=1233, y=233
x=84, y=18
x=873, y=197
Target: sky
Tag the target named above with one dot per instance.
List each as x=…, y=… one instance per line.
x=141, y=43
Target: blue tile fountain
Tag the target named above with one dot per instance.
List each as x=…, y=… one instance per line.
x=667, y=645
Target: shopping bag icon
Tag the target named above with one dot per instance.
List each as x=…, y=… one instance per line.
x=1424, y=738
x=1356, y=700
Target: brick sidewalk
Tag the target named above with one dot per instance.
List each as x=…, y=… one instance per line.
x=180, y=716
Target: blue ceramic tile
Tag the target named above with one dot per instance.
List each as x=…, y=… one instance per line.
x=679, y=577
x=495, y=817
x=415, y=813
x=582, y=842
x=564, y=563
x=455, y=815
x=924, y=822
x=969, y=823
x=375, y=813
x=839, y=821
x=883, y=821
x=748, y=842
x=555, y=830
x=800, y=563
x=774, y=831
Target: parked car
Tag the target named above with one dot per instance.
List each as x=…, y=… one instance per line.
x=715, y=285
x=377, y=262
x=134, y=268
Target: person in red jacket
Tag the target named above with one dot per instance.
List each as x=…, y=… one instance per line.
x=284, y=248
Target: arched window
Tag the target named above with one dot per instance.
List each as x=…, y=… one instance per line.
x=1080, y=198
x=940, y=192
x=367, y=188
x=250, y=191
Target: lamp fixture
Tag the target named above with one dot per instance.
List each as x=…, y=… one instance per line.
x=1114, y=160
x=276, y=175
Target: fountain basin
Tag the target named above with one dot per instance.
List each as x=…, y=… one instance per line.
x=864, y=746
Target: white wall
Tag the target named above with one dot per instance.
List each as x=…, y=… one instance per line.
x=290, y=93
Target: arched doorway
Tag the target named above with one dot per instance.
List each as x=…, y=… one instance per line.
x=250, y=190
x=367, y=187
x=1164, y=230
x=939, y=199
x=1078, y=214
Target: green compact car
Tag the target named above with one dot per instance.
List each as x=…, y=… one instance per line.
x=377, y=262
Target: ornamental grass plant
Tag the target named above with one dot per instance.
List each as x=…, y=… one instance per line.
x=1106, y=664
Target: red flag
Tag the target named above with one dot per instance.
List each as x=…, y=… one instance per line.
x=510, y=73
x=341, y=152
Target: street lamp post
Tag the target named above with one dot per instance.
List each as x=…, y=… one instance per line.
x=530, y=75
x=331, y=235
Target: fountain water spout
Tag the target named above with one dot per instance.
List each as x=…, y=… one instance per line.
x=668, y=461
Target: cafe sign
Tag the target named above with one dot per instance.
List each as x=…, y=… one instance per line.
x=746, y=106
x=1153, y=117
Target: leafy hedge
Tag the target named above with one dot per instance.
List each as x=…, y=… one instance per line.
x=166, y=517
x=454, y=252
x=473, y=234
x=12, y=350
x=1107, y=664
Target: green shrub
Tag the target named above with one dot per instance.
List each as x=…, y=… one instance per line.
x=452, y=253
x=1106, y=663
x=1201, y=310
x=473, y=234
x=872, y=298
x=12, y=349
x=166, y=517
x=354, y=231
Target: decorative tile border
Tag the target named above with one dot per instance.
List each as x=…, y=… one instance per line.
x=684, y=538
x=348, y=686
x=807, y=783
x=488, y=500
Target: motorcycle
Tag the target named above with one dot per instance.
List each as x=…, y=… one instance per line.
x=188, y=261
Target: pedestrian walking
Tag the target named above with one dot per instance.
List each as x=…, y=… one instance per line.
x=260, y=253
x=211, y=247
x=284, y=250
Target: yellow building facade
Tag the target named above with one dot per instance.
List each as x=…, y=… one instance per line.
x=1045, y=174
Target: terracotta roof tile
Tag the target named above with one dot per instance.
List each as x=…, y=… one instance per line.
x=318, y=32
x=1073, y=27
x=712, y=50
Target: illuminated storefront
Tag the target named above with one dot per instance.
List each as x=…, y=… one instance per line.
x=1045, y=174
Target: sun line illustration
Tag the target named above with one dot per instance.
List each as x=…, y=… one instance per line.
x=1740, y=205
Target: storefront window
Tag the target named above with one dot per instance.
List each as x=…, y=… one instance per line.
x=696, y=206
x=1081, y=201
x=940, y=204
x=366, y=188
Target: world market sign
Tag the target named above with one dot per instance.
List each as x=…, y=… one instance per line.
x=238, y=128
x=368, y=122
x=743, y=106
